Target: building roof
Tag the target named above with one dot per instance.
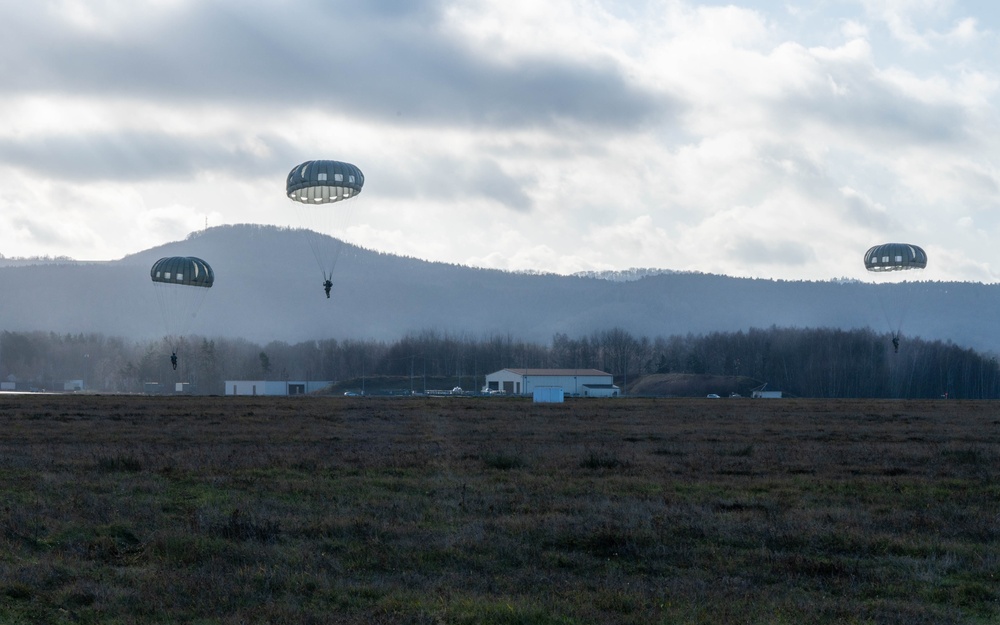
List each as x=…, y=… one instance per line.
x=558, y=372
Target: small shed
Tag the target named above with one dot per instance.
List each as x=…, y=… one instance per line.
x=547, y=395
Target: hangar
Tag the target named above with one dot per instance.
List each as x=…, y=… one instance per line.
x=573, y=382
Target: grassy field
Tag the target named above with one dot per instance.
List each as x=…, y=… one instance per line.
x=473, y=510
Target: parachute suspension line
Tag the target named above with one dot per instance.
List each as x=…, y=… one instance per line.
x=894, y=304
x=161, y=303
x=179, y=306
x=336, y=256
x=893, y=308
x=326, y=258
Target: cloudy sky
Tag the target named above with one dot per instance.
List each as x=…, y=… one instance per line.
x=764, y=138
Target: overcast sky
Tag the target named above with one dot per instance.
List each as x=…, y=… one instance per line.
x=760, y=138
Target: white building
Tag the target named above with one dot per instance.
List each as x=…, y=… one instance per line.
x=273, y=387
x=573, y=382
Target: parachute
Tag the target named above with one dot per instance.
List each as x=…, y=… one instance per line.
x=314, y=184
x=895, y=257
x=182, y=271
x=892, y=263
x=323, y=182
x=181, y=283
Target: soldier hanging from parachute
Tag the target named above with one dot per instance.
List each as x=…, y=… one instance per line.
x=181, y=283
x=893, y=259
x=315, y=184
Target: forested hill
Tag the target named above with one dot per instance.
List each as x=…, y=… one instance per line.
x=268, y=287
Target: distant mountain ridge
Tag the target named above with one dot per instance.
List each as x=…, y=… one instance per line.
x=624, y=275
x=268, y=287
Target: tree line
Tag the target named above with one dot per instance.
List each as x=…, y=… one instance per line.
x=806, y=362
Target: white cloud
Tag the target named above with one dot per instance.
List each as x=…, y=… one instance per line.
x=523, y=30
x=106, y=18
x=854, y=30
x=924, y=24
x=557, y=136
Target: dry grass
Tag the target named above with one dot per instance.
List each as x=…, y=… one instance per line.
x=474, y=510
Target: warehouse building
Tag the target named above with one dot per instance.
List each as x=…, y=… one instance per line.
x=573, y=382
x=273, y=387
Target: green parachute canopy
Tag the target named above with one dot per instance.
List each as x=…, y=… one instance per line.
x=895, y=257
x=323, y=182
x=182, y=270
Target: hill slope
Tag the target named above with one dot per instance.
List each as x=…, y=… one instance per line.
x=268, y=287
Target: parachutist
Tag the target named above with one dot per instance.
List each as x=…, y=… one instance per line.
x=180, y=283
x=894, y=257
x=318, y=184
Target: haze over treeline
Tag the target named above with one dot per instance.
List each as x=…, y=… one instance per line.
x=267, y=317
x=803, y=362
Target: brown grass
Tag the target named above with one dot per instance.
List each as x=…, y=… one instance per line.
x=486, y=510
